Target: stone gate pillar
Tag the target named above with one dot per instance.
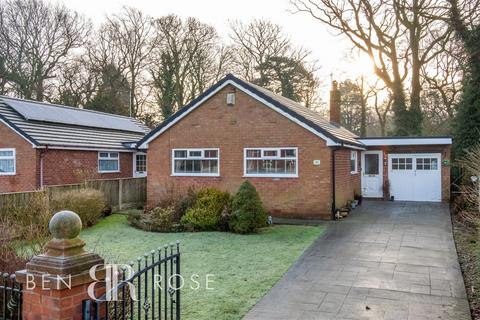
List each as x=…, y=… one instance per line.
x=56, y=282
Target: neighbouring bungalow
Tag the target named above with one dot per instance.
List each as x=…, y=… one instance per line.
x=44, y=144
x=303, y=165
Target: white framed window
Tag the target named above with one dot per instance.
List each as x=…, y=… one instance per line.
x=7, y=162
x=196, y=162
x=271, y=162
x=427, y=163
x=353, y=162
x=108, y=162
x=140, y=164
x=401, y=163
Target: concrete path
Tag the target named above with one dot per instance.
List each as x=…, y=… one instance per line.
x=385, y=261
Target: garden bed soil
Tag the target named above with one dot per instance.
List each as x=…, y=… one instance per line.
x=467, y=241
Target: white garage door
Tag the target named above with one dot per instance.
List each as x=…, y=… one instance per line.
x=415, y=177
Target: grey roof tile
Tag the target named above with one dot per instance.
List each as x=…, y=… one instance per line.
x=70, y=127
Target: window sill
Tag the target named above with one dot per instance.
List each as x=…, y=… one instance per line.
x=8, y=174
x=194, y=175
x=270, y=176
x=118, y=171
x=353, y=172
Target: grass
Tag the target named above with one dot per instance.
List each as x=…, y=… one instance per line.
x=244, y=267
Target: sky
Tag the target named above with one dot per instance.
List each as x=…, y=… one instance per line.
x=333, y=53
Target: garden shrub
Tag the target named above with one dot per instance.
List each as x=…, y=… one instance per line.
x=87, y=203
x=206, y=213
x=248, y=213
x=467, y=202
x=158, y=219
x=185, y=202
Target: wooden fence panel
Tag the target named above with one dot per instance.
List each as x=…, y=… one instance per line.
x=16, y=198
x=119, y=193
x=134, y=191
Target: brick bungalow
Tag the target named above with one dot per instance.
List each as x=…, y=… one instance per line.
x=43, y=144
x=302, y=164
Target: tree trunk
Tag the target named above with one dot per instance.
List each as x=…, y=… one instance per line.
x=363, y=106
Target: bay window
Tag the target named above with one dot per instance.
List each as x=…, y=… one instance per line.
x=271, y=162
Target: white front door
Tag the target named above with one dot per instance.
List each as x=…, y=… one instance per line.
x=372, y=174
x=415, y=177
x=139, y=164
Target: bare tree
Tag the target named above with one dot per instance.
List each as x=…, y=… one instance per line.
x=75, y=83
x=131, y=34
x=187, y=59
x=36, y=40
x=264, y=55
x=399, y=36
x=254, y=43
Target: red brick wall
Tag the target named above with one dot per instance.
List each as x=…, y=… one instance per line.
x=346, y=183
x=444, y=150
x=247, y=124
x=25, y=178
x=75, y=166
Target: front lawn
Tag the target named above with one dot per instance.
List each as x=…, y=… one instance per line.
x=245, y=267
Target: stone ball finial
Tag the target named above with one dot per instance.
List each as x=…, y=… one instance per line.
x=65, y=225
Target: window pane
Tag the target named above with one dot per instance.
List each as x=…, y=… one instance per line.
x=270, y=153
x=252, y=166
x=7, y=165
x=291, y=165
x=195, y=153
x=180, y=153
x=211, y=153
x=108, y=165
x=180, y=166
x=141, y=163
x=6, y=153
x=254, y=153
x=287, y=153
x=434, y=165
x=114, y=155
x=103, y=154
x=371, y=163
x=213, y=166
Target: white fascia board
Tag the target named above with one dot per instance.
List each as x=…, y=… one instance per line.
x=19, y=133
x=94, y=149
x=329, y=141
x=354, y=147
x=406, y=141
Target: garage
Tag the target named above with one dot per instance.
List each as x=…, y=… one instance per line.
x=406, y=168
x=415, y=177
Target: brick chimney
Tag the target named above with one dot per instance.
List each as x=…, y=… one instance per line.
x=335, y=103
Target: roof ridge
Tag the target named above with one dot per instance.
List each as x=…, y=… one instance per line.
x=48, y=104
x=338, y=125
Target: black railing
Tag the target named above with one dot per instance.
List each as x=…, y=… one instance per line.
x=11, y=297
x=152, y=292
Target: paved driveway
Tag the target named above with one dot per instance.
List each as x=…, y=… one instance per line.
x=385, y=261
